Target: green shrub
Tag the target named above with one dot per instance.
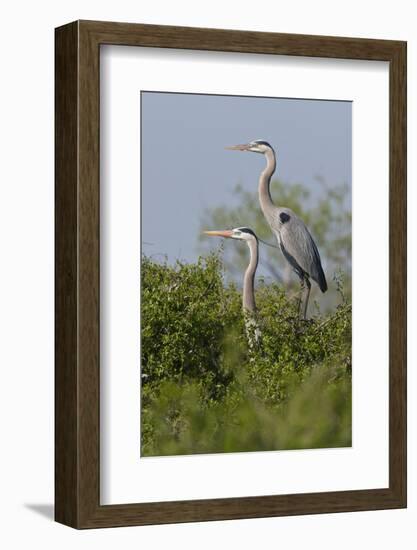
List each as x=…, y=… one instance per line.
x=204, y=390
x=185, y=313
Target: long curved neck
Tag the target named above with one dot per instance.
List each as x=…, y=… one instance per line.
x=265, y=199
x=249, y=278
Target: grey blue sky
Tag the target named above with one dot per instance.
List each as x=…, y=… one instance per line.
x=186, y=169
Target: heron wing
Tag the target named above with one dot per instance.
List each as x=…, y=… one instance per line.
x=298, y=246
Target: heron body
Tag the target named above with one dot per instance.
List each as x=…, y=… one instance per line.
x=294, y=239
x=298, y=246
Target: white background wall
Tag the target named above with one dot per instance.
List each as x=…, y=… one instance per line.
x=26, y=273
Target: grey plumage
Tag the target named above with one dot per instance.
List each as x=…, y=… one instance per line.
x=294, y=239
x=298, y=247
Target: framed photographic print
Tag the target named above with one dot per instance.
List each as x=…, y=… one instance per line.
x=230, y=274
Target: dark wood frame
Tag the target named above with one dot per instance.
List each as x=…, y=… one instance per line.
x=77, y=274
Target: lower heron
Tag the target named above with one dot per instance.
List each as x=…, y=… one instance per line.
x=248, y=296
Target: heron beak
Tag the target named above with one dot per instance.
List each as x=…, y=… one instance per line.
x=226, y=234
x=243, y=147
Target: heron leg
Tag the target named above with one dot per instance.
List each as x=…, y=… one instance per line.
x=301, y=294
x=307, y=295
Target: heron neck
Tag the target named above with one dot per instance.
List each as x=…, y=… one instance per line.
x=249, y=278
x=265, y=199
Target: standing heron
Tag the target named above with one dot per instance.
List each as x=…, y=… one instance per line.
x=293, y=237
x=248, y=296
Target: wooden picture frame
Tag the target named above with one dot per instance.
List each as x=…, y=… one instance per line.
x=77, y=374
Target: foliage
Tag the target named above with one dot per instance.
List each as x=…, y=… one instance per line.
x=185, y=312
x=204, y=390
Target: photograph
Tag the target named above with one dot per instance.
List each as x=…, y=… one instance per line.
x=246, y=285
x=209, y=249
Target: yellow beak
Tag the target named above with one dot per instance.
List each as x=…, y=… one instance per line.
x=226, y=233
x=243, y=147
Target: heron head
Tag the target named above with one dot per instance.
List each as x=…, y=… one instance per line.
x=239, y=233
x=256, y=146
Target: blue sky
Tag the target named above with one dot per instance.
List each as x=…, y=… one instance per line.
x=186, y=169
